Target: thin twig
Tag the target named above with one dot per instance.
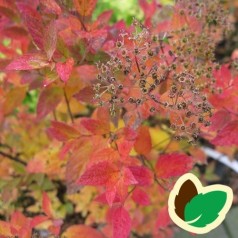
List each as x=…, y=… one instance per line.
x=82, y=23
x=54, y=115
x=137, y=64
x=167, y=146
x=161, y=142
x=129, y=193
x=150, y=166
x=68, y=107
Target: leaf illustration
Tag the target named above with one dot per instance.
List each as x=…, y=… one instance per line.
x=186, y=193
x=204, y=209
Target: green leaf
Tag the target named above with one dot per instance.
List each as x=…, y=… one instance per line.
x=204, y=209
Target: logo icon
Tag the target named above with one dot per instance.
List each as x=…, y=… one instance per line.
x=198, y=209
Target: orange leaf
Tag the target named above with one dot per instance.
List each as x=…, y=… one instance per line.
x=85, y=7
x=46, y=205
x=98, y=174
x=13, y=99
x=81, y=149
x=5, y=229
x=96, y=127
x=143, y=141
x=81, y=231
x=48, y=101
x=62, y=131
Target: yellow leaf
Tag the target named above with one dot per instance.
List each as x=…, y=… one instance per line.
x=159, y=138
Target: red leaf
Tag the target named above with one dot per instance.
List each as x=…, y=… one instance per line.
x=62, y=131
x=51, y=6
x=33, y=22
x=102, y=19
x=140, y=197
x=96, y=127
x=111, y=195
x=64, y=69
x=172, y=165
x=128, y=176
x=21, y=225
x=87, y=73
x=227, y=136
x=219, y=120
x=98, y=174
x=142, y=175
x=163, y=218
x=129, y=133
x=148, y=8
x=223, y=76
x=95, y=38
x=50, y=39
x=28, y=62
x=48, y=101
x=85, y=7
x=118, y=183
x=81, y=231
x=124, y=146
x=85, y=95
x=38, y=220
x=143, y=141
x=121, y=223
x=55, y=230
x=46, y=205
x=103, y=198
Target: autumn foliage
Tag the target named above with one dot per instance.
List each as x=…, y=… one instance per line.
x=118, y=114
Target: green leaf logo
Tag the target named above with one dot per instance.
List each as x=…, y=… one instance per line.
x=196, y=208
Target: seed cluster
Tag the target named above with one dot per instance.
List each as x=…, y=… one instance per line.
x=171, y=71
x=211, y=13
x=188, y=108
x=137, y=68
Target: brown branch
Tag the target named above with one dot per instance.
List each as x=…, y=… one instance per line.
x=150, y=166
x=6, y=146
x=13, y=158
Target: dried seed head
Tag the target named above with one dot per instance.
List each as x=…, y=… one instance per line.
x=119, y=44
x=120, y=86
